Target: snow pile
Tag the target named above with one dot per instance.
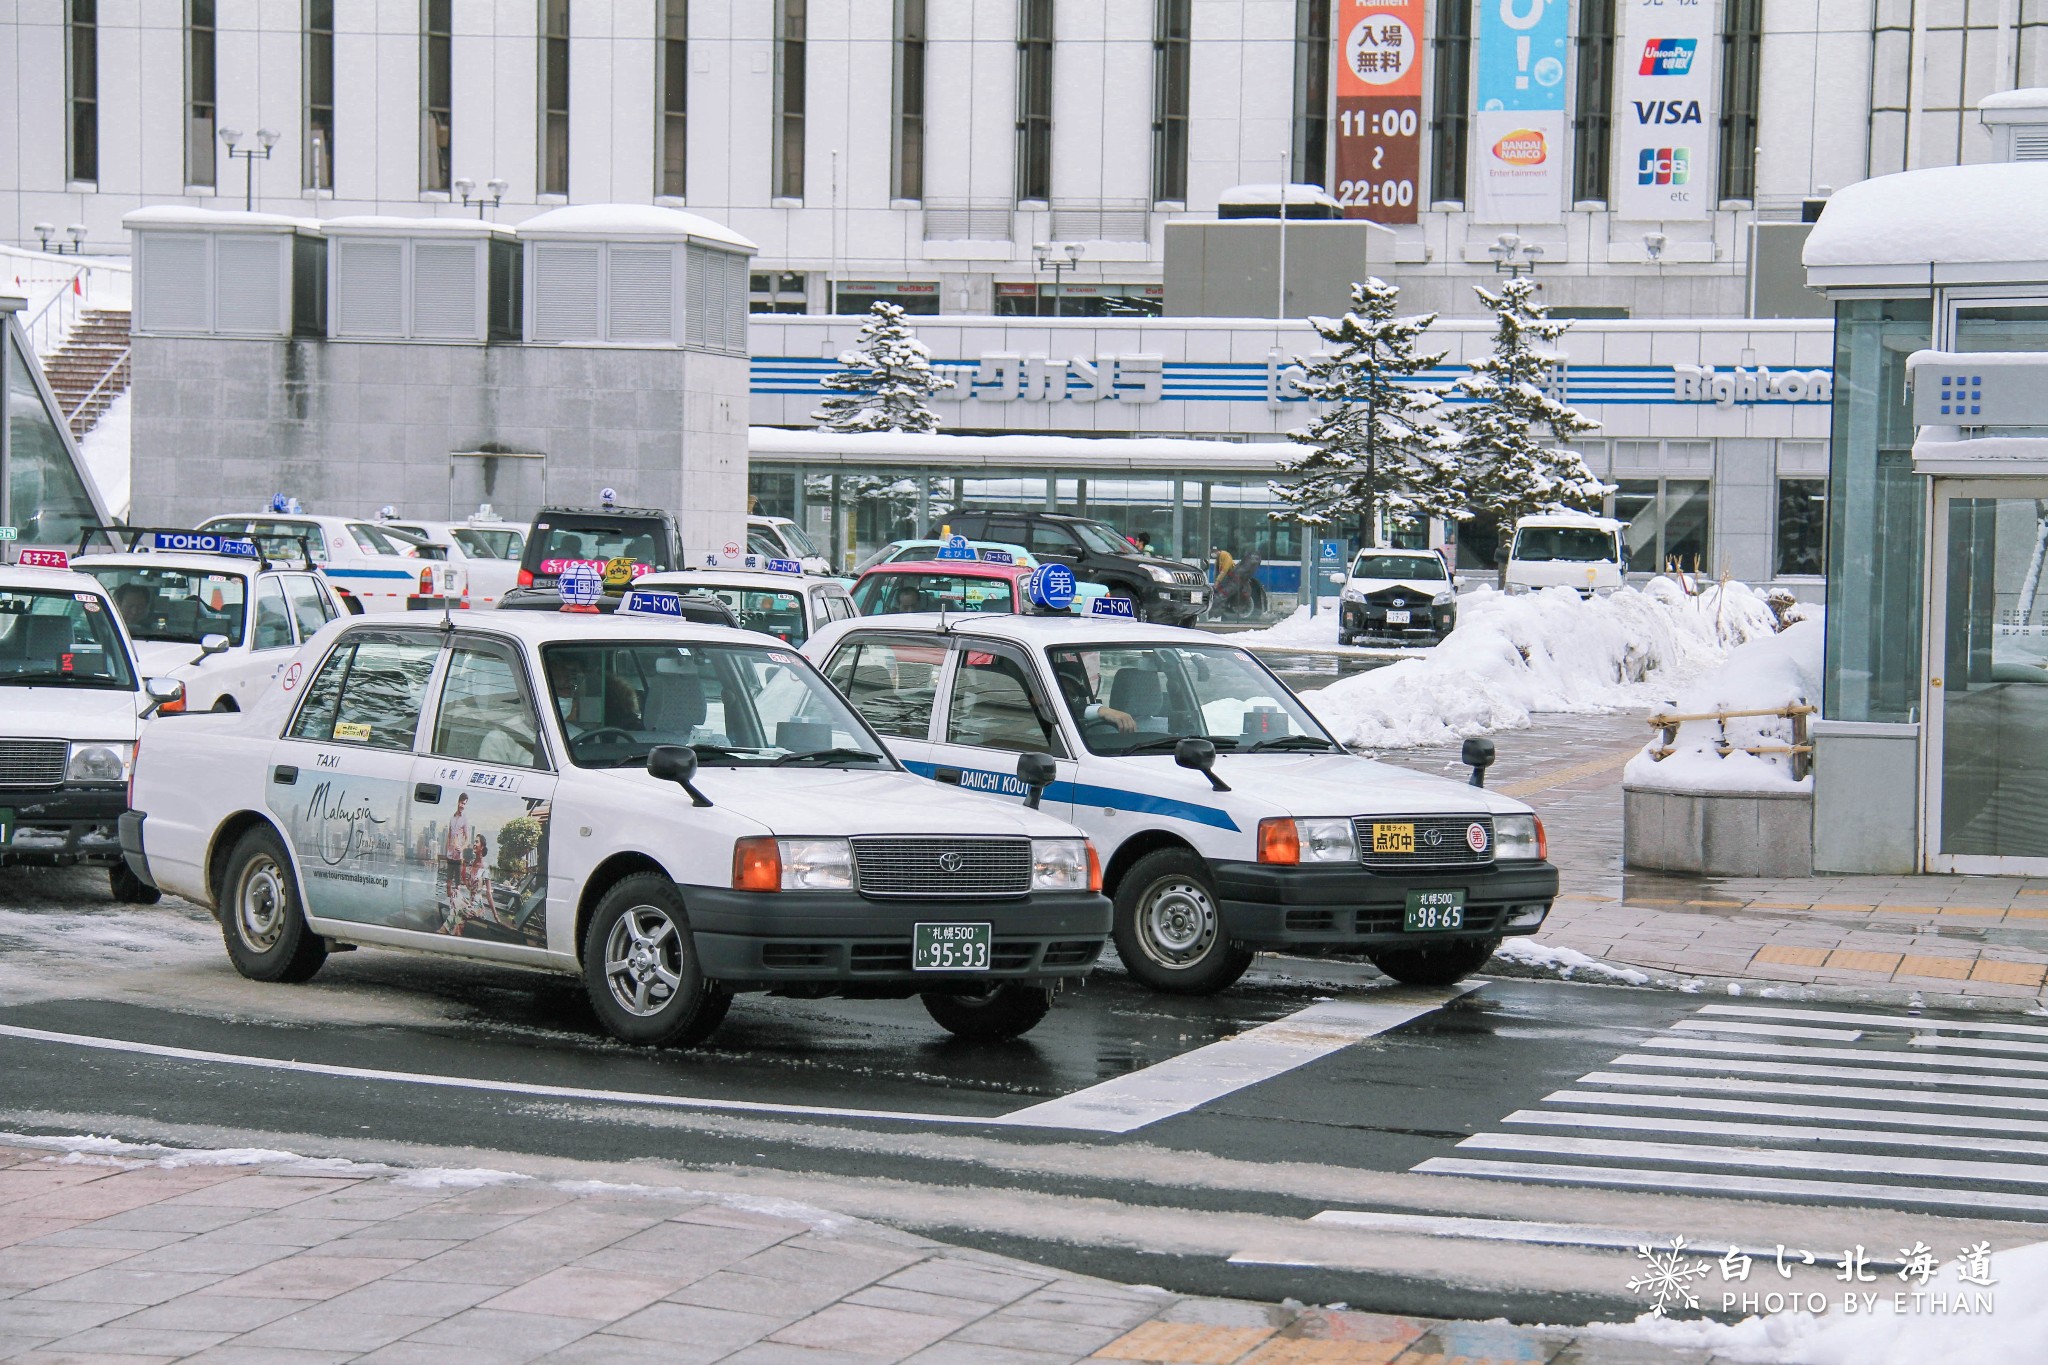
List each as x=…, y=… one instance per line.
x=105, y=450
x=1302, y=631
x=1527, y=957
x=1765, y=674
x=1513, y=656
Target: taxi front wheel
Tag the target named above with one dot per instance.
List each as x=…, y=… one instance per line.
x=261, y=916
x=1169, y=929
x=1439, y=964
x=640, y=967
x=1010, y=1010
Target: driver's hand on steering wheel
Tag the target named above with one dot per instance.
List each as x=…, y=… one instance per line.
x=1122, y=720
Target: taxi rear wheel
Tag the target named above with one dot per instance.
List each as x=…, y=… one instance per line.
x=640, y=967
x=1010, y=1010
x=1169, y=926
x=261, y=916
x=1440, y=964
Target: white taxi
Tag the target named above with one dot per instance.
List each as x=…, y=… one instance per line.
x=673, y=812
x=382, y=571
x=72, y=703
x=1230, y=819
x=486, y=551
x=209, y=610
x=785, y=602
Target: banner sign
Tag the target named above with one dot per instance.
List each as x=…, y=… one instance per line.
x=1665, y=116
x=1518, y=150
x=1378, y=54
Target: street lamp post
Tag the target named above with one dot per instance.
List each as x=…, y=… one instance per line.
x=493, y=195
x=266, y=141
x=76, y=232
x=1059, y=258
x=1512, y=256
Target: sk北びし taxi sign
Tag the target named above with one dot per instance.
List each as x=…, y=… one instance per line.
x=955, y=547
x=1113, y=606
x=642, y=602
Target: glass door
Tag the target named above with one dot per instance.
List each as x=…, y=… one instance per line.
x=1986, y=762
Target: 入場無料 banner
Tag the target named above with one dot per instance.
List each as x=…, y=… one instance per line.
x=1664, y=116
x=1378, y=55
x=1518, y=173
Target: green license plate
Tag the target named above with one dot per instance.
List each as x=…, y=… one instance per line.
x=950, y=947
x=1432, y=912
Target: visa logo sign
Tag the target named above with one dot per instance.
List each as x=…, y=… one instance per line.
x=1668, y=56
x=1664, y=166
x=1667, y=111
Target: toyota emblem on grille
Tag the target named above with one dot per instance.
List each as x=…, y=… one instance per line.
x=950, y=862
x=1433, y=837
x=1397, y=601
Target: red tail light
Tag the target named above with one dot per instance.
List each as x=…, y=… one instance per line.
x=134, y=759
x=526, y=578
x=426, y=582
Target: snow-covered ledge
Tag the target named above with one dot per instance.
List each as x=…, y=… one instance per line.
x=1709, y=805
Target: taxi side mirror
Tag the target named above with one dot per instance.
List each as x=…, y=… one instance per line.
x=676, y=763
x=1036, y=772
x=165, y=694
x=1478, y=756
x=1200, y=754
x=210, y=645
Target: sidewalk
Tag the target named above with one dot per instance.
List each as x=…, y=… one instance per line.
x=121, y=1259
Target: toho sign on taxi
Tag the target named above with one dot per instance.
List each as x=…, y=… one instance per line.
x=204, y=544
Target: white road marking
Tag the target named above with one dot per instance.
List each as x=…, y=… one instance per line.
x=1722, y=1104
x=1756, y=1158
x=1911, y=1023
x=1849, y=1072
x=1487, y=1230
x=1833, y=1035
x=1178, y=1084
x=1772, y=1132
x=1703, y=1182
x=1747, y=1085
x=1928, y=1058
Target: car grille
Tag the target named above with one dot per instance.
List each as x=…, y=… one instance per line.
x=951, y=869
x=32, y=762
x=1188, y=578
x=1447, y=849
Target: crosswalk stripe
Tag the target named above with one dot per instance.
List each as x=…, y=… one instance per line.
x=1744, y=1085
x=1837, y=1035
x=1930, y=1058
x=1671, y=1063
x=1705, y=1182
x=1774, y=1132
x=1755, y=1158
x=1913, y=1023
x=1721, y=1104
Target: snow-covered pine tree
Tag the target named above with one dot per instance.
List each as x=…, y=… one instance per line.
x=886, y=381
x=1505, y=471
x=1375, y=446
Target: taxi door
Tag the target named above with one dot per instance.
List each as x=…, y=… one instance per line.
x=482, y=801
x=994, y=710
x=893, y=681
x=338, y=780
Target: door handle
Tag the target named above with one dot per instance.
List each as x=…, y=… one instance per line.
x=948, y=775
x=284, y=775
x=426, y=793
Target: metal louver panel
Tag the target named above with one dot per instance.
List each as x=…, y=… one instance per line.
x=369, y=279
x=1440, y=841
x=2030, y=146
x=700, y=291
x=444, y=283
x=640, y=293
x=248, y=284
x=173, y=283
x=735, y=302
x=565, y=299
x=32, y=762
x=943, y=868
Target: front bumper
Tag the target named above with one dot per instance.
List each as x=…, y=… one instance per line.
x=63, y=825
x=1269, y=906
x=1370, y=618
x=761, y=940
x=1184, y=600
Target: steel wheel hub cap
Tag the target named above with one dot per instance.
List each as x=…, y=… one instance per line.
x=259, y=910
x=1178, y=923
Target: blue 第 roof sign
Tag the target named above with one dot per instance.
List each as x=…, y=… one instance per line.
x=1051, y=586
x=204, y=544
x=955, y=547
x=785, y=566
x=1112, y=606
x=643, y=602
x=581, y=584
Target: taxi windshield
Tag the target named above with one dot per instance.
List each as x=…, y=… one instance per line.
x=50, y=638
x=894, y=593
x=182, y=606
x=1146, y=698
x=277, y=539
x=598, y=539
x=734, y=704
x=772, y=611
x=1576, y=544
x=1413, y=568
x=479, y=544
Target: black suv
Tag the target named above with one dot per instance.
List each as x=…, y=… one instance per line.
x=596, y=535
x=1163, y=590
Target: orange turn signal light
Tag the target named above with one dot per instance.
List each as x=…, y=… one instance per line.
x=1279, y=841
x=756, y=865
x=1094, y=868
x=1542, y=842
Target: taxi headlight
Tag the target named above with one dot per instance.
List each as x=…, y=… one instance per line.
x=1059, y=864
x=1327, y=840
x=1354, y=594
x=1159, y=575
x=1443, y=599
x=816, y=864
x=97, y=761
x=1518, y=837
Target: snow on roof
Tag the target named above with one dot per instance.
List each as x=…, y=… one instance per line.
x=1569, y=519
x=221, y=220
x=394, y=225
x=630, y=220
x=2035, y=97
x=1945, y=215
x=896, y=447
x=1270, y=194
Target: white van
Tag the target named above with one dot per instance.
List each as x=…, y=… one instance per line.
x=1565, y=550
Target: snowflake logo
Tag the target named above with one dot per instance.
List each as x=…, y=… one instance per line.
x=1669, y=1275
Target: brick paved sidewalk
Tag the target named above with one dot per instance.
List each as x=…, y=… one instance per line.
x=117, y=1259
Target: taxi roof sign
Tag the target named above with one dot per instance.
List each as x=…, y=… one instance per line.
x=580, y=584
x=648, y=602
x=991, y=555
x=205, y=543
x=1113, y=606
x=1051, y=586
x=35, y=557
x=785, y=566
x=955, y=547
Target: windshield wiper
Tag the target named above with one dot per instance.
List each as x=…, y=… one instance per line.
x=62, y=679
x=1289, y=742
x=1146, y=746
x=828, y=756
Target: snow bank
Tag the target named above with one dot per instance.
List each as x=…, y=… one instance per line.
x=1514, y=656
x=1527, y=957
x=1775, y=671
x=105, y=450
x=1301, y=631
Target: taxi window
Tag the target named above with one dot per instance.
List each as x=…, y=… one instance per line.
x=488, y=544
x=891, y=683
x=1146, y=697
x=373, y=540
x=995, y=706
x=181, y=606
x=368, y=692
x=773, y=611
x=310, y=607
x=486, y=713
x=52, y=638
x=897, y=593
x=273, y=618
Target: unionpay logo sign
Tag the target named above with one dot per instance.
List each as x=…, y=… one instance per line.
x=1668, y=56
x=1664, y=166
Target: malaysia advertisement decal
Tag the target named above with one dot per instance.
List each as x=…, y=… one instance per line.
x=1518, y=142
x=1664, y=115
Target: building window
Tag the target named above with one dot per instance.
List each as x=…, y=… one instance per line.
x=1170, y=25
x=554, y=96
x=789, y=99
x=1450, y=109
x=1802, y=527
x=1034, y=99
x=781, y=292
x=673, y=135
x=910, y=35
x=82, y=83
x=437, y=124
x=1308, y=149
x=319, y=86
x=1667, y=524
x=1593, y=116
x=1741, y=71
x=912, y=296
x=200, y=110
x=1023, y=299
